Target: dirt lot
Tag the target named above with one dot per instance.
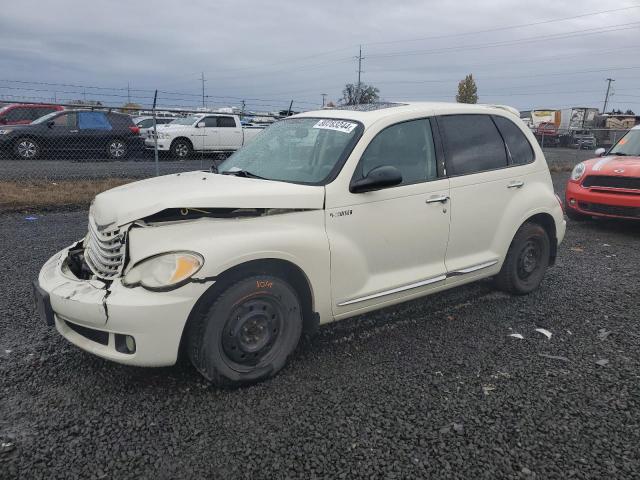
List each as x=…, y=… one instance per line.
x=433, y=388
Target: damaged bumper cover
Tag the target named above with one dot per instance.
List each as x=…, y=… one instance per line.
x=155, y=320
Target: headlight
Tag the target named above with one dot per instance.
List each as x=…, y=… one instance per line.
x=4, y=132
x=578, y=171
x=164, y=271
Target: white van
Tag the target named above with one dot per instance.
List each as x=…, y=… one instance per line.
x=324, y=216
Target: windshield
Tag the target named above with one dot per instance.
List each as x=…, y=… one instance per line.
x=46, y=118
x=628, y=145
x=190, y=120
x=299, y=150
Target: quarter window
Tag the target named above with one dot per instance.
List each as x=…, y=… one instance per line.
x=518, y=146
x=472, y=144
x=408, y=146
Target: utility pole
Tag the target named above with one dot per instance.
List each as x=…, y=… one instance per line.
x=128, y=93
x=606, y=96
x=324, y=98
x=203, y=80
x=243, y=105
x=359, y=74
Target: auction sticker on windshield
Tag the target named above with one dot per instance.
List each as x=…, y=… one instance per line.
x=338, y=125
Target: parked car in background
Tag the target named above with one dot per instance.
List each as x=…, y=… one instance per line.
x=324, y=216
x=22, y=114
x=608, y=185
x=547, y=134
x=203, y=132
x=583, y=139
x=145, y=124
x=72, y=132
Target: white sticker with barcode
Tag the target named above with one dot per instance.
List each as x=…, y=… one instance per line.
x=338, y=125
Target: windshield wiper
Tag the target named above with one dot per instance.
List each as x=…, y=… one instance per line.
x=243, y=173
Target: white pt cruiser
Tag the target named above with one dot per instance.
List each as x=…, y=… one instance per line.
x=325, y=215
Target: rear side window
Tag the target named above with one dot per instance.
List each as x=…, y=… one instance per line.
x=408, y=146
x=518, y=147
x=146, y=123
x=472, y=144
x=228, y=122
x=93, y=121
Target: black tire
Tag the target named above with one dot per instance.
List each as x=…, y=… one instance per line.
x=527, y=260
x=26, y=148
x=116, y=149
x=181, y=149
x=576, y=216
x=247, y=333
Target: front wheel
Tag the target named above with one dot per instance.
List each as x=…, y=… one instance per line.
x=116, y=149
x=526, y=262
x=26, y=149
x=248, y=332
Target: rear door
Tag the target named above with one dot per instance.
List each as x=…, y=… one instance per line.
x=94, y=131
x=229, y=133
x=484, y=178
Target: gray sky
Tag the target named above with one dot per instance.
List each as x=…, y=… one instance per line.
x=271, y=52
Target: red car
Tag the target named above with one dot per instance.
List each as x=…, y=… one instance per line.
x=23, y=114
x=607, y=186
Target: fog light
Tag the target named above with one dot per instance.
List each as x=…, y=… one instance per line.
x=572, y=201
x=125, y=343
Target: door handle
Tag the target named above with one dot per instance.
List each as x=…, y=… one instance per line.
x=438, y=199
x=516, y=184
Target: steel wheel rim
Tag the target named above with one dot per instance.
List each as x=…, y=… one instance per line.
x=529, y=260
x=253, y=331
x=116, y=149
x=27, y=149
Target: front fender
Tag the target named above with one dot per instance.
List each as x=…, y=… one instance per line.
x=296, y=237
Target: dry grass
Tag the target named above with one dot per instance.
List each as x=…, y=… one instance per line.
x=45, y=194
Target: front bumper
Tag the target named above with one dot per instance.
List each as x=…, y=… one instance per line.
x=163, y=144
x=155, y=320
x=601, y=203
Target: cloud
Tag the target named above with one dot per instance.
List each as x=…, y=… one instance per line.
x=283, y=50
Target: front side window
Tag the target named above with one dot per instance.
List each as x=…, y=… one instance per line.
x=188, y=120
x=472, y=144
x=408, y=146
x=518, y=146
x=629, y=145
x=65, y=120
x=17, y=114
x=298, y=150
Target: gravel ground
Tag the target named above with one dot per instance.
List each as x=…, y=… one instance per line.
x=560, y=158
x=433, y=388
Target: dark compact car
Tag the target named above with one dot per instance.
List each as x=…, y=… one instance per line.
x=71, y=132
x=22, y=114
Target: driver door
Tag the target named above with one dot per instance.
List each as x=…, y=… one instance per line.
x=389, y=245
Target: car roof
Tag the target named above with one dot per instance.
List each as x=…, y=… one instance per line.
x=369, y=114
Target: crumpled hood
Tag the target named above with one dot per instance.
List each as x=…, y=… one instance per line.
x=614, y=165
x=137, y=200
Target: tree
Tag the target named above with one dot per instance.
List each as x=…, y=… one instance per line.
x=629, y=112
x=352, y=95
x=467, y=90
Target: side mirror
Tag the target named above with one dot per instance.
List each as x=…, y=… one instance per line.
x=50, y=123
x=200, y=125
x=599, y=152
x=377, y=179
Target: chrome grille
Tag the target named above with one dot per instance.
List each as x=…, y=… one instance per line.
x=104, y=250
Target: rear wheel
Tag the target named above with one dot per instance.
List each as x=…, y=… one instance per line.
x=26, y=148
x=116, y=149
x=247, y=333
x=527, y=260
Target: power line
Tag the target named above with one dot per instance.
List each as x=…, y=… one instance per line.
x=507, y=27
